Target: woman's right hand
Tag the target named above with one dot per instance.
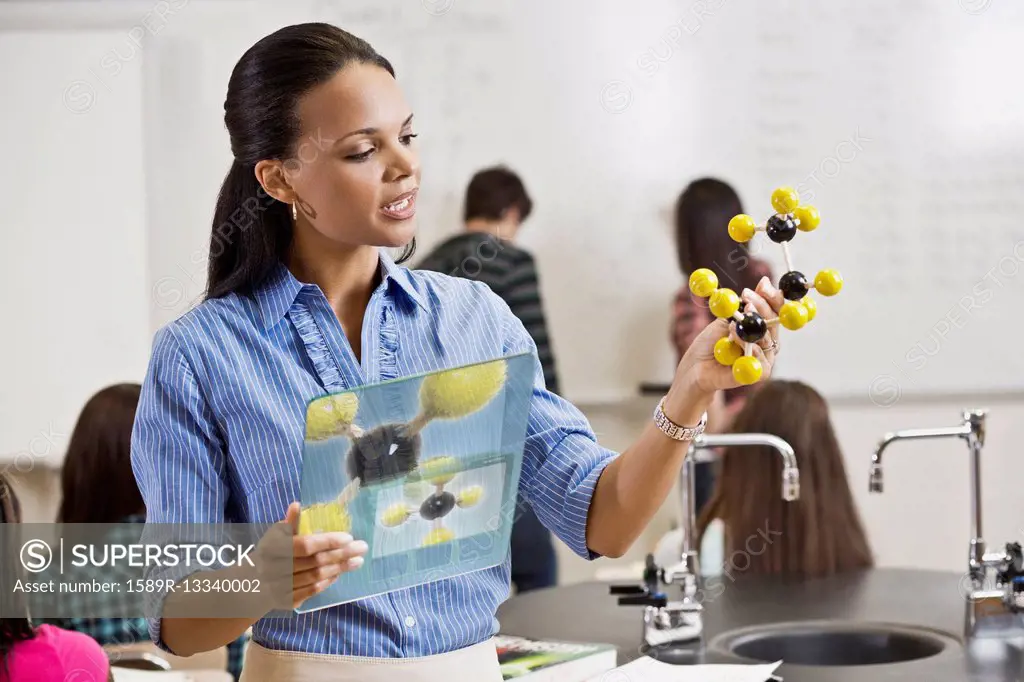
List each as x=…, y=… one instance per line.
x=318, y=560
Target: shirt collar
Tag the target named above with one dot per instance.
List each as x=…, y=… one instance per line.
x=276, y=294
x=280, y=289
x=400, y=276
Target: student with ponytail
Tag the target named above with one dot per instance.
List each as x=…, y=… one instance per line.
x=304, y=299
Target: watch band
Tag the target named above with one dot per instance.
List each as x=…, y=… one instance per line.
x=676, y=431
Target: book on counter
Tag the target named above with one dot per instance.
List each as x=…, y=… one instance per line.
x=531, y=660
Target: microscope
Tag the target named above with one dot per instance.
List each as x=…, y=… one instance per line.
x=994, y=582
x=673, y=626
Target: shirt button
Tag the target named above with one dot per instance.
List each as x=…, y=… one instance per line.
x=410, y=621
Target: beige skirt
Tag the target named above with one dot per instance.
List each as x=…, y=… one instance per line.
x=478, y=663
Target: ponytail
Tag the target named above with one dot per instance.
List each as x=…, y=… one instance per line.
x=251, y=233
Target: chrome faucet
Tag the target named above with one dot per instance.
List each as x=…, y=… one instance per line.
x=687, y=571
x=995, y=589
x=670, y=621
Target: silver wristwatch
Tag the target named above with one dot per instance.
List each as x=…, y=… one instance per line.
x=675, y=431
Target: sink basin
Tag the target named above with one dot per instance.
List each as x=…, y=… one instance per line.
x=834, y=643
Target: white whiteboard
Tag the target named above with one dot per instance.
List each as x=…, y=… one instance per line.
x=902, y=122
x=608, y=111
x=72, y=265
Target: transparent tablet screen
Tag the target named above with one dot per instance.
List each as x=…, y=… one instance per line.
x=425, y=469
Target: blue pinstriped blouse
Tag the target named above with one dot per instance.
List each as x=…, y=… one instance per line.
x=219, y=430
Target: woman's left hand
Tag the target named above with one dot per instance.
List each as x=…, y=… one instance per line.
x=699, y=375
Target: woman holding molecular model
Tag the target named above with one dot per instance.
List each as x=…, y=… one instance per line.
x=303, y=300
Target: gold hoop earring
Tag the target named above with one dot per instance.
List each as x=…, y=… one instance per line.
x=308, y=210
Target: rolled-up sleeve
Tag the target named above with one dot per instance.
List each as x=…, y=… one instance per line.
x=177, y=456
x=562, y=460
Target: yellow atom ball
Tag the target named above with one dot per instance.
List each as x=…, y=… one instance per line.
x=467, y=497
x=438, y=536
x=703, y=282
x=811, y=305
x=808, y=216
x=785, y=199
x=828, y=282
x=328, y=517
x=727, y=352
x=724, y=302
x=793, y=315
x=395, y=515
x=416, y=491
x=331, y=416
x=459, y=392
x=742, y=228
x=438, y=470
x=746, y=370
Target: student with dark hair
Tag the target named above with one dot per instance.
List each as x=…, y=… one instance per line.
x=98, y=486
x=45, y=653
x=303, y=300
x=820, y=534
x=495, y=195
x=702, y=214
x=495, y=208
x=96, y=480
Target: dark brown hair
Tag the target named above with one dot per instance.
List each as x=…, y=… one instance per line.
x=817, y=535
x=12, y=630
x=702, y=214
x=493, y=191
x=97, y=481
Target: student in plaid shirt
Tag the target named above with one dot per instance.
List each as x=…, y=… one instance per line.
x=496, y=206
x=98, y=486
x=702, y=214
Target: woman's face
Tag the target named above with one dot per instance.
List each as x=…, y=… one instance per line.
x=355, y=169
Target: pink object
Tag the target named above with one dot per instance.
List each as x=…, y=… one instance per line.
x=56, y=655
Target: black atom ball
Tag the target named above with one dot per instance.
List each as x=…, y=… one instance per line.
x=436, y=506
x=383, y=454
x=794, y=285
x=751, y=328
x=780, y=228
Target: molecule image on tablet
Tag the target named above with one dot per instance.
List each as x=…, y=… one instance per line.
x=438, y=472
x=392, y=451
x=799, y=308
x=424, y=468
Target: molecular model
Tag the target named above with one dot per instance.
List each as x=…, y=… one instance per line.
x=392, y=451
x=799, y=308
x=439, y=472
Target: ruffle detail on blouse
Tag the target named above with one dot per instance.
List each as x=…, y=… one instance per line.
x=316, y=348
x=388, y=344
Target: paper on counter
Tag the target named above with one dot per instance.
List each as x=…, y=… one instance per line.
x=646, y=669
